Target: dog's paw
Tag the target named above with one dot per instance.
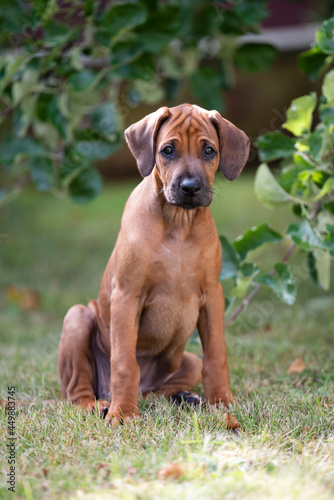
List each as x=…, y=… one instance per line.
x=99, y=406
x=115, y=418
x=186, y=398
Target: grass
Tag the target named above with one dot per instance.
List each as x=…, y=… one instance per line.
x=286, y=447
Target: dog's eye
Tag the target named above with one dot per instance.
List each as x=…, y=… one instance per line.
x=209, y=151
x=168, y=150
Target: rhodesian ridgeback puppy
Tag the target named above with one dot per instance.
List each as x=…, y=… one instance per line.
x=162, y=279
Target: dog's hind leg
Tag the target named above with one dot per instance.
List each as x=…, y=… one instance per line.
x=184, y=379
x=79, y=359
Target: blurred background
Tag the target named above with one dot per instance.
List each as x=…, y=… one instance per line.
x=258, y=98
x=74, y=75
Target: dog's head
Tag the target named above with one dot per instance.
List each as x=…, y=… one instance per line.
x=187, y=144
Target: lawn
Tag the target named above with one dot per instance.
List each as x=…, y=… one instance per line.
x=57, y=251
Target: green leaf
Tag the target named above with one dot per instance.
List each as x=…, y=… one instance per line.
x=43, y=174
x=289, y=179
x=202, y=19
x=319, y=262
x=86, y=186
x=324, y=36
x=312, y=267
x=56, y=33
x=229, y=301
x=141, y=68
x=282, y=283
x=26, y=146
x=305, y=235
x=95, y=150
x=303, y=161
x=126, y=52
x=275, y=145
x=328, y=87
x=329, y=239
x=327, y=188
x=313, y=62
x=81, y=80
x=149, y=92
x=300, y=114
x=206, y=85
x=231, y=260
x=315, y=143
x=255, y=237
x=251, y=12
x=22, y=87
x=241, y=288
x=12, y=15
x=13, y=65
x=123, y=17
x=267, y=190
x=255, y=56
x=249, y=269
x=105, y=119
x=90, y=146
x=326, y=114
x=244, y=279
x=54, y=115
x=160, y=28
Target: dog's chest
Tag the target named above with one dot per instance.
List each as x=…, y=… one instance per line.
x=174, y=297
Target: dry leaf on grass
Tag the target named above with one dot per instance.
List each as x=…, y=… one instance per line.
x=102, y=466
x=170, y=471
x=297, y=366
x=231, y=422
x=27, y=299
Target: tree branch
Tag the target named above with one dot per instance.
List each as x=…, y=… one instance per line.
x=6, y=112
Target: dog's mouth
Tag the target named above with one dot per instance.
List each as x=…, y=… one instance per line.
x=188, y=200
x=191, y=204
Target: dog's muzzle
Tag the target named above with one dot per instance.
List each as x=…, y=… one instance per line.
x=189, y=193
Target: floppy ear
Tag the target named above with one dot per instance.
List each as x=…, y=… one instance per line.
x=141, y=137
x=234, y=146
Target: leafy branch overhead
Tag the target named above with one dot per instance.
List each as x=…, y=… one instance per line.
x=72, y=71
x=305, y=181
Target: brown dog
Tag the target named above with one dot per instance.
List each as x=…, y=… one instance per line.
x=162, y=279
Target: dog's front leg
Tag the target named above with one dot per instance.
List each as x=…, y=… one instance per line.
x=216, y=379
x=125, y=372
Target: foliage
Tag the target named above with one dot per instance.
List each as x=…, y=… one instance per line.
x=73, y=70
x=305, y=180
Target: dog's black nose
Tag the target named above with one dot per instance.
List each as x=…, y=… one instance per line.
x=190, y=186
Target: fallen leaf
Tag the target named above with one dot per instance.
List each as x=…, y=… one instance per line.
x=297, y=366
x=101, y=466
x=231, y=422
x=132, y=470
x=170, y=471
x=27, y=299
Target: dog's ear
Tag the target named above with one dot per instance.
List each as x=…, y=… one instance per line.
x=141, y=138
x=234, y=146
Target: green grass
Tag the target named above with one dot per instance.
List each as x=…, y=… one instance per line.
x=286, y=446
